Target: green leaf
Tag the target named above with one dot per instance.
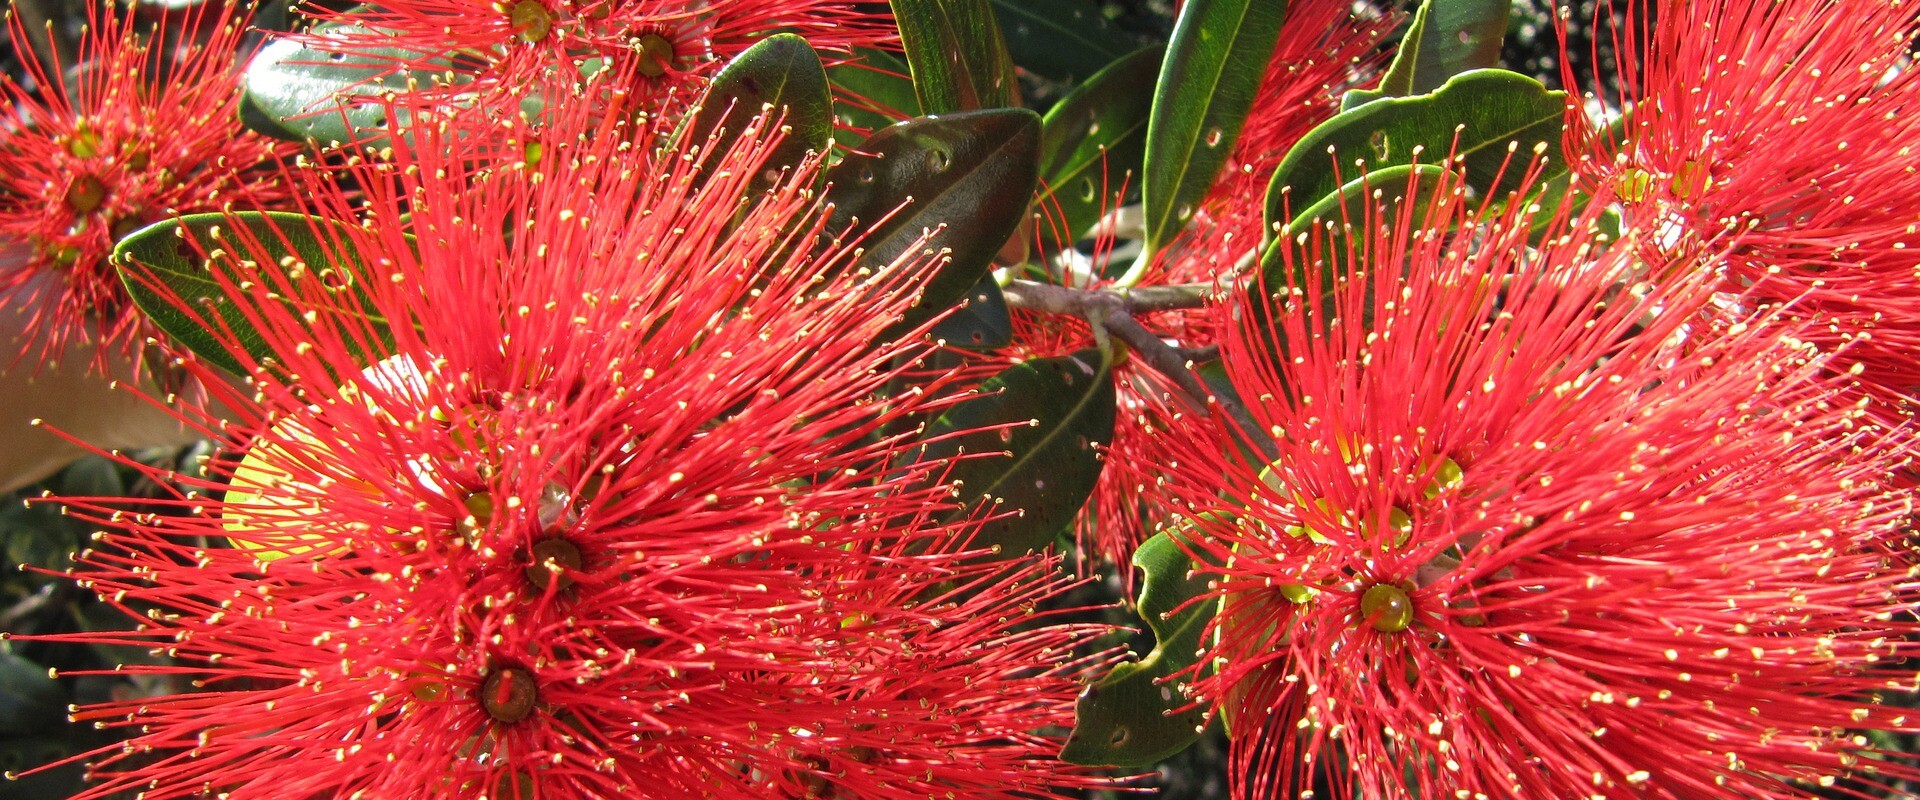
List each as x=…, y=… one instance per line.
x=1062, y=40
x=1029, y=439
x=873, y=90
x=1445, y=39
x=168, y=269
x=1127, y=717
x=780, y=74
x=969, y=173
x=301, y=93
x=1093, y=144
x=958, y=59
x=1486, y=112
x=30, y=700
x=38, y=535
x=1214, y=64
x=982, y=321
x=1350, y=202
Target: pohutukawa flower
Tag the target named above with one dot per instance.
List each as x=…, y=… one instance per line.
x=666, y=48
x=134, y=136
x=1517, y=533
x=1788, y=126
x=613, y=514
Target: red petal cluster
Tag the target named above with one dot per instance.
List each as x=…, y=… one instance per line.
x=1789, y=124
x=142, y=131
x=616, y=513
x=1518, y=530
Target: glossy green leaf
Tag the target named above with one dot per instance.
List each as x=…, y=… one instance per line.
x=780, y=75
x=1214, y=64
x=872, y=90
x=1030, y=438
x=1349, y=203
x=981, y=322
x=1446, y=38
x=966, y=177
x=1498, y=119
x=1127, y=718
x=171, y=264
x=1062, y=40
x=1093, y=142
x=300, y=93
x=958, y=59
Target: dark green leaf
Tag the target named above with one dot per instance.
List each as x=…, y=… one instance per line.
x=297, y=92
x=38, y=535
x=1093, y=143
x=92, y=477
x=1497, y=118
x=779, y=74
x=1062, y=40
x=874, y=90
x=21, y=753
x=1040, y=423
x=958, y=59
x=969, y=173
x=174, y=254
x=1214, y=65
x=1446, y=38
x=982, y=321
x=30, y=700
x=1127, y=718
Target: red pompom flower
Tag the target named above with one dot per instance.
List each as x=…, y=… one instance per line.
x=618, y=511
x=1517, y=531
x=1787, y=124
x=146, y=128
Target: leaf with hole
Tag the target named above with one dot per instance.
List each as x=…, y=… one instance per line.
x=1092, y=146
x=1445, y=39
x=1026, y=448
x=1491, y=121
x=1061, y=40
x=781, y=75
x=1214, y=65
x=1134, y=716
x=958, y=59
x=965, y=178
x=299, y=92
x=184, y=275
x=980, y=322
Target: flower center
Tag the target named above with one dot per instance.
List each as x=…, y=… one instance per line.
x=553, y=559
x=508, y=694
x=83, y=142
x=1388, y=607
x=531, y=20
x=86, y=193
x=656, y=54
